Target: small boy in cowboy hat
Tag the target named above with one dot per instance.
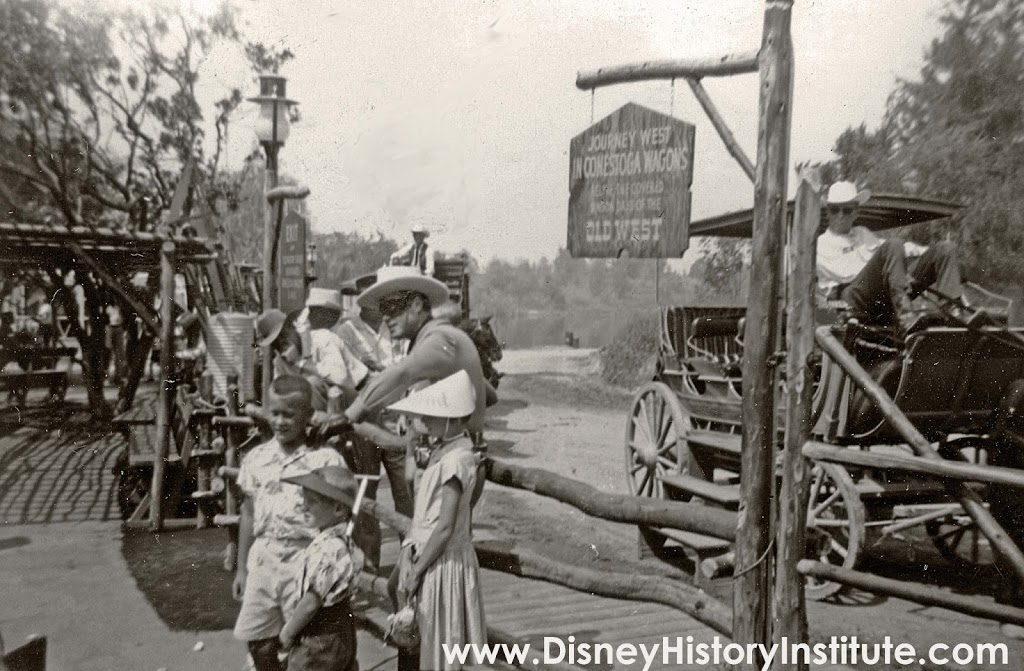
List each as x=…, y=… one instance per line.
x=320, y=632
x=871, y=274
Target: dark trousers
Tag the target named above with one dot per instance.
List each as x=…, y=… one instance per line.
x=328, y=643
x=884, y=288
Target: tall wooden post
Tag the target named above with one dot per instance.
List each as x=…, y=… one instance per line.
x=166, y=397
x=752, y=586
x=269, y=265
x=790, y=611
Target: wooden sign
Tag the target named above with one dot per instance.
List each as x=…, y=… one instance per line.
x=629, y=186
x=292, y=265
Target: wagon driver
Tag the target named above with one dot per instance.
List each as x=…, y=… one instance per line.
x=871, y=274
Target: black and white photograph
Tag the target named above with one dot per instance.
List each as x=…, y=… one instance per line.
x=547, y=335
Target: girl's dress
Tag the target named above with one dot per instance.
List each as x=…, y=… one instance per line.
x=451, y=606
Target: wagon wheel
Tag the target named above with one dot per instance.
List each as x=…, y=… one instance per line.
x=958, y=539
x=655, y=444
x=835, y=525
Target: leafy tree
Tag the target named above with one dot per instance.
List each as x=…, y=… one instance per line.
x=98, y=116
x=957, y=133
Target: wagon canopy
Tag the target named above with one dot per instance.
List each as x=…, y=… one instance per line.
x=880, y=212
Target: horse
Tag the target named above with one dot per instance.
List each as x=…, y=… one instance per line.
x=487, y=345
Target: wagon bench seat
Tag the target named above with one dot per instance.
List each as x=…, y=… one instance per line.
x=723, y=494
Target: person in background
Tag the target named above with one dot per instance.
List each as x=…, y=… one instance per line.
x=115, y=342
x=870, y=274
x=416, y=254
x=367, y=344
x=273, y=529
x=320, y=634
x=333, y=359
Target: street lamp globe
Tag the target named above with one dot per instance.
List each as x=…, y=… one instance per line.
x=272, y=126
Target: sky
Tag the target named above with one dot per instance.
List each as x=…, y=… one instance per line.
x=457, y=114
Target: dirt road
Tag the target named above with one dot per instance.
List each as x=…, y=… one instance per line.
x=570, y=423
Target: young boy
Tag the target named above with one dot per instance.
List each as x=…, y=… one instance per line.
x=273, y=529
x=320, y=633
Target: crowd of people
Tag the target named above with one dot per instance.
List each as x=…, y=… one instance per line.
x=391, y=368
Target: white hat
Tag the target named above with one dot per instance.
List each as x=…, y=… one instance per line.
x=322, y=297
x=846, y=193
x=392, y=279
x=453, y=396
x=420, y=228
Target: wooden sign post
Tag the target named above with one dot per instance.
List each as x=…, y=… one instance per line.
x=752, y=586
x=774, y=62
x=629, y=186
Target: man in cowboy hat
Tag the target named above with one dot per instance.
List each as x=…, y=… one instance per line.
x=871, y=274
x=415, y=254
x=437, y=349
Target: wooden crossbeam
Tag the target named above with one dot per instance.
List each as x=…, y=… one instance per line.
x=718, y=122
x=723, y=66
x=145, y=313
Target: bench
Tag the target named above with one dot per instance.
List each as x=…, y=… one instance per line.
x=18, y=383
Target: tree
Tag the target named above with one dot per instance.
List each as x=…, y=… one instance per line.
x=99, y=115
x=957, y=133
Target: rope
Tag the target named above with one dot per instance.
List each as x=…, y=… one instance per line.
x=672, y=99
x=760, y=559
x=592, y=106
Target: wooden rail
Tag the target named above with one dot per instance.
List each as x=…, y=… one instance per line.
x=969, y=499
x=954, y=470
x=918, y=593
x=706, y=520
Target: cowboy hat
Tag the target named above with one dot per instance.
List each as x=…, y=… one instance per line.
x=334, y=482
x=421, y=229
x=322, y=297
x=453, y=396
x=393, y=279
x=268, y=326
x=846, y=193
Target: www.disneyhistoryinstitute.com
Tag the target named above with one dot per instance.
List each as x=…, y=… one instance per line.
x=680, y=650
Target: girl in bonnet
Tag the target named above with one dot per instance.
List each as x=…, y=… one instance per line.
x=438, y=569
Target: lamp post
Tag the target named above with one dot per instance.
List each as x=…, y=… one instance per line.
x=272, y=129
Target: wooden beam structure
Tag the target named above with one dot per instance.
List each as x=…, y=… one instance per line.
x=707, y=520
x=731, y=145
x=790, y=611
x=752, y=585
x=926, y=595
x=165, y=402
x=969, y=499
x=652, y=589
x=723, y=66
x=946, y=469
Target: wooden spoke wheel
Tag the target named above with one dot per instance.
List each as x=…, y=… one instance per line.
x=835, y=525
x=958, y=539
x=655, y=439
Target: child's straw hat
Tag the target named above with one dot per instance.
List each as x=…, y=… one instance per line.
x=453, y=396
x=334, y=482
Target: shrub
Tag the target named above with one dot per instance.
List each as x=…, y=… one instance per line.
x=629, y=360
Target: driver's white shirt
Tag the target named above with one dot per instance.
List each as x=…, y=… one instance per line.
x=840, y=258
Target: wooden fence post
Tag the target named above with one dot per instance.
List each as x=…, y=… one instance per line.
x=166, y=397
x=790, y=611
x=752, y=585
